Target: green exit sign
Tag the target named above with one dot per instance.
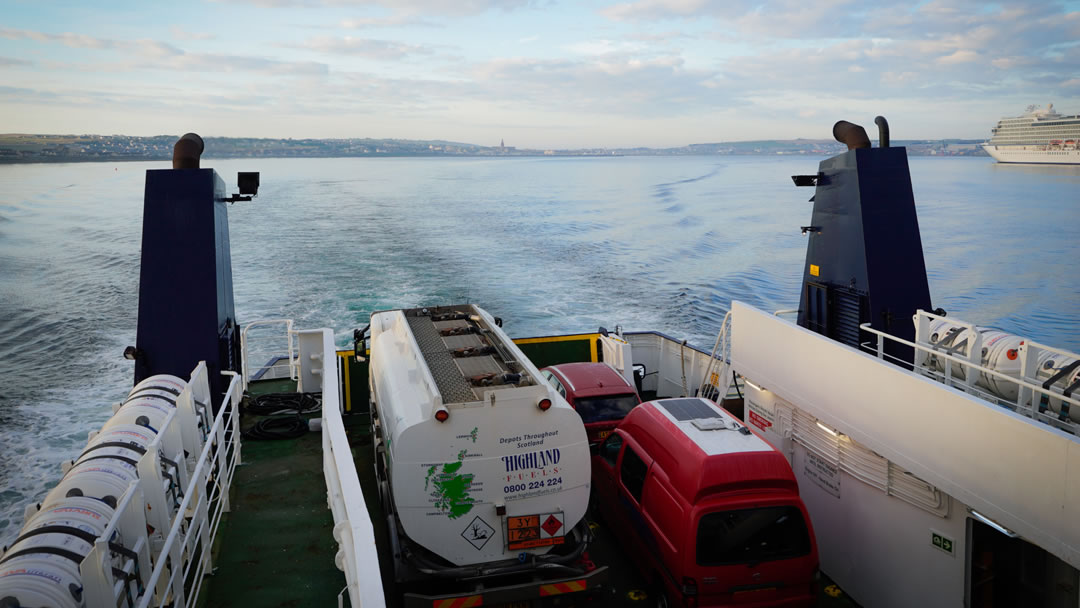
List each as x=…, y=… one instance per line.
x=942, y=542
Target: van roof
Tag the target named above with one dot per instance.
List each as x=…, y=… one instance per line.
x=703, y=449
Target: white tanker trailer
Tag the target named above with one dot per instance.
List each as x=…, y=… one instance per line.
x=484, y=468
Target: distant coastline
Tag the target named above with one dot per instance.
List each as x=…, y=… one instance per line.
x=27, y=148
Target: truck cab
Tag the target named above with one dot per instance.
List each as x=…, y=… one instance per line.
x=712, y=509
x=601, y=395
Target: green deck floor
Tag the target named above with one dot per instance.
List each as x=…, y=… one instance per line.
x=276, y=546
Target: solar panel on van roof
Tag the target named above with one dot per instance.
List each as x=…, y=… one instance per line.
x=688, y=409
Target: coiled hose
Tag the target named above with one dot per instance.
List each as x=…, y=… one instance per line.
x=284, y=415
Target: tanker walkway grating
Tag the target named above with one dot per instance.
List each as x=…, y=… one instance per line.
x=453, y=386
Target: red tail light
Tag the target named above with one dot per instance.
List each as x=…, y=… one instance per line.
x=544, y=404
x=689, y=590
x=442, y=415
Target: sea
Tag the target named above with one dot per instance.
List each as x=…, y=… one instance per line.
x=548, y=244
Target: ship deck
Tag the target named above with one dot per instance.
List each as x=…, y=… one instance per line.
x=276, y=545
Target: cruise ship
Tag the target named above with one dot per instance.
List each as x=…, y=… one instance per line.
x=1039, y=136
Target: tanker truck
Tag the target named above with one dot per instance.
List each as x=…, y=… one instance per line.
x=483, y=468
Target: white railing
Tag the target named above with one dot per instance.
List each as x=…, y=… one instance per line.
x=1030, y=392
x=266, y=353
x=715, y=380
x=184, y=558
x=353, y=530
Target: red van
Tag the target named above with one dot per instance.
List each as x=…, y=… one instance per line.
x=601, y=395
x=711, y=509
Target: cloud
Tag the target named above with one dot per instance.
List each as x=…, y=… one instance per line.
x=959, y=56
x=67, y=39
x=622, y=84
x=11, y=62
x=943, y=50
x=363, y=47
x=24, y=94
x=398, y=20
x=153, y=54
x=216, y=62
x=643, y=10
x=662, y=37
x=180, y=33
x=413, y=7
x=163, y=100
x=528, y=39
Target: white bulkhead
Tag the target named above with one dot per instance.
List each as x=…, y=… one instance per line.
x=496, y=448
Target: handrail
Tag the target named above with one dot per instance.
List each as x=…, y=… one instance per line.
x=723, y=349
x=1029, y=410
x=181, y=558
x=353, y=529
x=245, y=359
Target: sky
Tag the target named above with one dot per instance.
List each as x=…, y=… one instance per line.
x=535, y=73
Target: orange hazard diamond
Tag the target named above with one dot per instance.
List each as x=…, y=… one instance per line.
x=551, y=525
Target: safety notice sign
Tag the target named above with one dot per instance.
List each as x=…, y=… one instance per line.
x=529, y=531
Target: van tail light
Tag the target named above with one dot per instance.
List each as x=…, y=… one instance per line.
x=544, y=404
x=442, y=415
x=689, y=591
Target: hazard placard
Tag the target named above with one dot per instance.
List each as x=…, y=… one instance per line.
x=529, y=531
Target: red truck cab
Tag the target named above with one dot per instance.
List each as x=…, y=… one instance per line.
x=601, y=395
x=711, y=509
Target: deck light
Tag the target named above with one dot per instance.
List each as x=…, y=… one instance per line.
x=993, y=524
x=544, y=404
x=747, y=382
x=442, y=415
x=827, y=429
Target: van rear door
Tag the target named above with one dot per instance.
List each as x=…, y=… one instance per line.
x=753, y=551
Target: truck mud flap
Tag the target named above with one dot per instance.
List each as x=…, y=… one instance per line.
x=589, y=584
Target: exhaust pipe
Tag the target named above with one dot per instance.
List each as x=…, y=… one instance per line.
x=187, y=151
x=851, y=134
x=883, y=131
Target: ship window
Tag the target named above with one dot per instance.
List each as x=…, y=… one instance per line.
x=632, y=473
x=750, y=536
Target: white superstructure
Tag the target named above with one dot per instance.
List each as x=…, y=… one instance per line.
x=923, y=490
x=1040, y=135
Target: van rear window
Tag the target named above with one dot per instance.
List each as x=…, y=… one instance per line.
x=751, y=536
x=602, y=409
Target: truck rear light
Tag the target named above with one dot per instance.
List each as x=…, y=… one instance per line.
x=442, y=415
x=544, y=404
x=690, y=590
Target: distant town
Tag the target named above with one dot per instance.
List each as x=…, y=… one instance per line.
x=21, y=148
